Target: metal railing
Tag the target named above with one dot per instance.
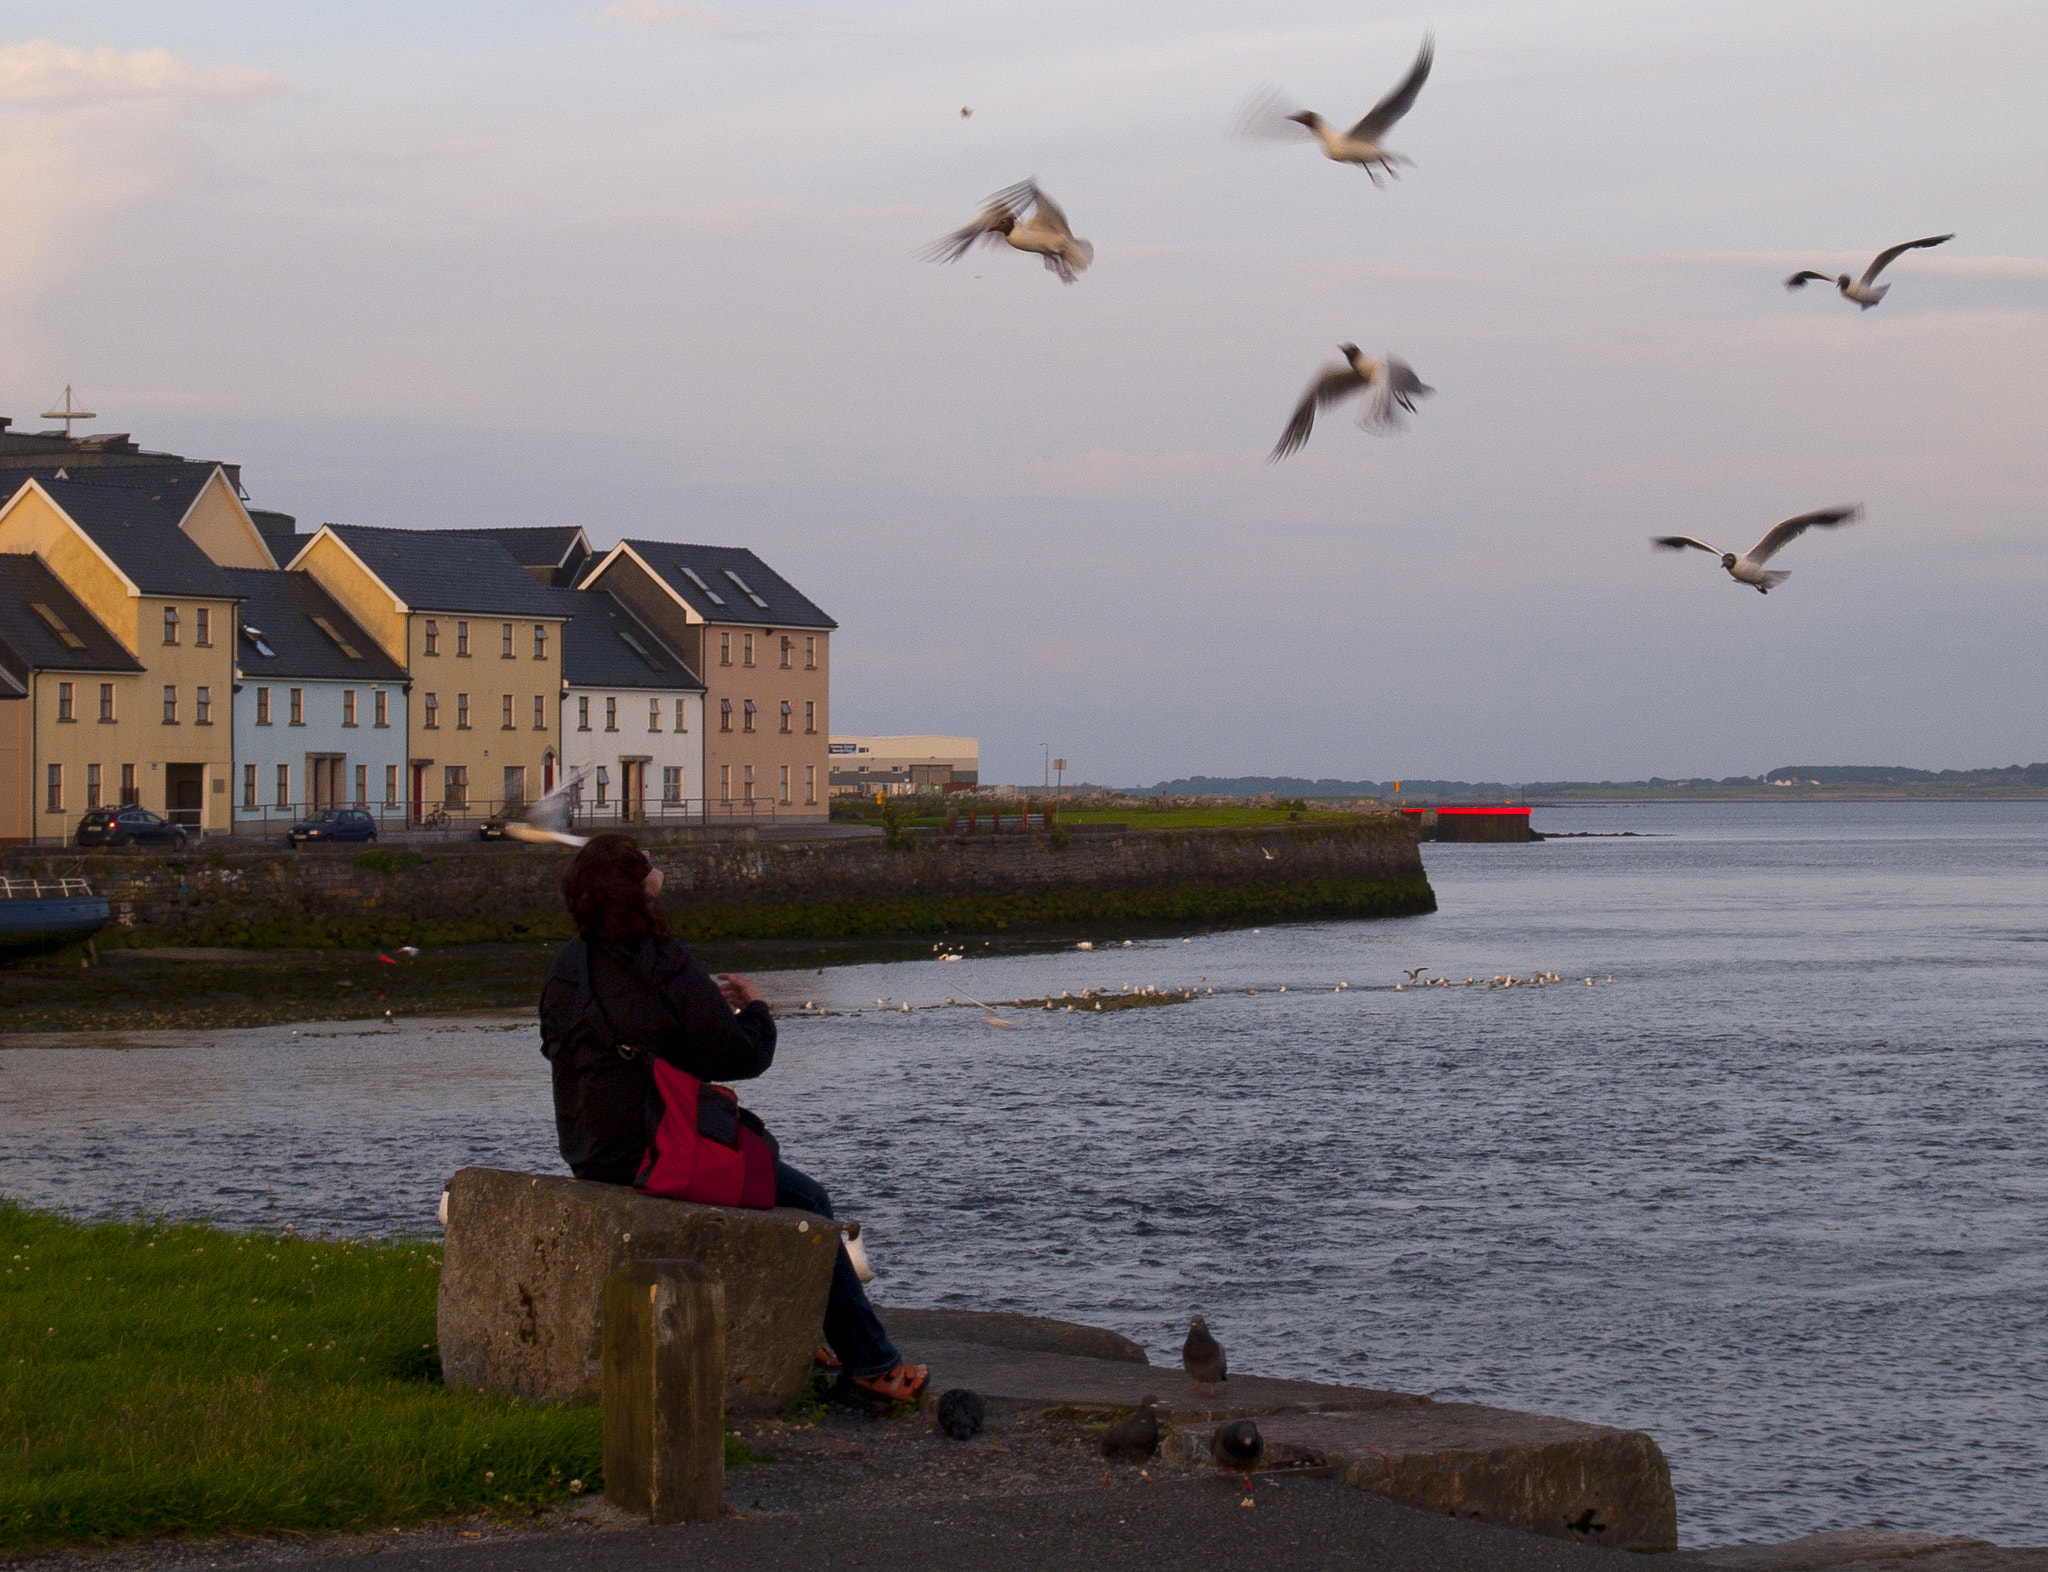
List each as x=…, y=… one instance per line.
x=42, y=889
x=468, y=818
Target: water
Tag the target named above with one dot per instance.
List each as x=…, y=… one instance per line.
x=1775, y=1195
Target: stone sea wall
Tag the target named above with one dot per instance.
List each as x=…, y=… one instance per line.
x=752, y=890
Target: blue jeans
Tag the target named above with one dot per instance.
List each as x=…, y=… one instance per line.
x=852, y=1330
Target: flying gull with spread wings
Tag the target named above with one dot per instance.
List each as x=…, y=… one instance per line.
x=1865, y=291
x=1390, y=387
x=1024, y=217
x=1269, y=114
x=1749, y=567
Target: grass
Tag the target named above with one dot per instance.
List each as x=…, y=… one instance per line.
x=171, y=1378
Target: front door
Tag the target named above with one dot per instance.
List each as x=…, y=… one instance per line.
x=418, y=794
x=185, y=794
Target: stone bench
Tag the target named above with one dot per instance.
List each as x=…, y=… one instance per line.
x=527, y=1255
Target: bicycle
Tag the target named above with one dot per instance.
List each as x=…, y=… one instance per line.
x=434, y=819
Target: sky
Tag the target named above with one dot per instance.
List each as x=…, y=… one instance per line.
x=655, y=269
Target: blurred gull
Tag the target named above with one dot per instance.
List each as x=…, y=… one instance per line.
x=1866, y=291
x=1026, y=218
x=547, y=821
x=1749, y=567
x=1270, y=115
x=1390, y=386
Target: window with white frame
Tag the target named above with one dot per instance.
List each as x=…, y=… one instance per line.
x=671, y=783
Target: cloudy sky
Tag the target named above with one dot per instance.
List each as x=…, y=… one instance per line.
x=654, y=268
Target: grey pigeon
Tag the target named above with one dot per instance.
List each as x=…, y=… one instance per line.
x=1135, y=1439
x=961, y=1412
x=1238, y=1447
x=1202, y=1357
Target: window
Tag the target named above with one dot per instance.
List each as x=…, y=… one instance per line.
x=462, y=638
x=170, y=624
x=202, y=706
x=455, y=786
x=748, y=723
x=711, y=594
x=746, y=589
x=782, y=785
x=810, y=783
x=788, y=647
x=298, y=706
x=746, y=649
x=505, y=642
x=682, y=716
x=747, y=782
x=515, y=781
x=106, y=701
x=348, y=706
x=202, y=627
x=654, y=715
x=540, y=641
x=810, y=654
x=56, y=802
x=611, y=714
x=810, y=718
x=604, y=785
x=462, y=712
x=583, y=712
x=785, y=727
x=92, y=785
x=432, y=721
x=57, y=625
x=64, y=702
x=263, y=706
x=284, y=785
x=129, y=795
x=170, y=705
x=362, y=785
x=390, y=785
x=340, y=643
x=505, y=720
x=725, y=783
x=725, y=649
x=725, y=714
x=248, y=785
x=380, y=707
x=540, y=712
x=433, y=637
x=671, y=783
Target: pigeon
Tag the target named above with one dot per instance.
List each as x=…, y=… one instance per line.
x=1135, y=1439
x=1390, y=386
x=1202, y=1357
x=1238, y=1447
x=546, y=822
x=1026, y=218
x=961, y=1412
x=1269, y=115
x=1866, y=291
x=1749, y=567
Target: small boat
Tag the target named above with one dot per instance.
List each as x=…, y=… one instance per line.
x=41, y=915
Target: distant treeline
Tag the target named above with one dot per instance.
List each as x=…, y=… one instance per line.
x=2034, y=776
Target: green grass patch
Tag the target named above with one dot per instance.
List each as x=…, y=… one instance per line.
x=387, y=859
x=175, y=1378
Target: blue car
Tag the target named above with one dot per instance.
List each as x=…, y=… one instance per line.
x=333, y=825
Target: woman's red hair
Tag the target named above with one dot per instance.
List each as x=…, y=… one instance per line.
x=605, y=889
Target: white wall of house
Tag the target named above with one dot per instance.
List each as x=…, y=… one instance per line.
x=284, y=766
x=609, y=737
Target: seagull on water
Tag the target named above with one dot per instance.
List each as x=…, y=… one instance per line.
x=1390, y=386
x=1024, y=217
x=1865, y=291
x=1269, y=115
x=1749, y=567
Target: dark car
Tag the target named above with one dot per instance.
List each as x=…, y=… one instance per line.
x=492, y=829
x=333, y=824
x=130, y=826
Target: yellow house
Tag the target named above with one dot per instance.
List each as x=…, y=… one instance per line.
x=482, y=644
x=133, y=559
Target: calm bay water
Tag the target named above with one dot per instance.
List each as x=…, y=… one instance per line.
x=1777, y=1195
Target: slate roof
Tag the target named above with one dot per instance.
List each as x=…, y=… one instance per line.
x=598, y=646
x=448, y=570
x=138, y=529
x=774, y=603
x=557, y=550
x=283, y=605
x=26, y=581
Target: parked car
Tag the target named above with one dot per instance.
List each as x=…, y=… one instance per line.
x=333, y=825
x=492, y=829
x=129, y=826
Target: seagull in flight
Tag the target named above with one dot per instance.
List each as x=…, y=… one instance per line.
x=1866, y=291
x=1749, y=567
x=547, y=821
x=1270, y=114
x=1390, y=386
x=1026, y=218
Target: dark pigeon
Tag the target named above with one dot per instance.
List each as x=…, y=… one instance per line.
x=1136, y=1439
x=1202, y=1357
x=1238, y=1447
x=961, y=1412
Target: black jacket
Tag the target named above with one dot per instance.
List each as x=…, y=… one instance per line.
x=651, y=998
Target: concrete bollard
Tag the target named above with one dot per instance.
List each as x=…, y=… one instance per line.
x=664, y=1391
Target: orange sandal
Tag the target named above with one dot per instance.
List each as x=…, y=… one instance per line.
x=824, y=1359
x=901, y=1385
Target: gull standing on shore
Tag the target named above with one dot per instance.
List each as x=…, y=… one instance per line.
x=1865, y=291
x=1269, y=114
x=1024, y=217
x=1749, y=567
x=1390, y=386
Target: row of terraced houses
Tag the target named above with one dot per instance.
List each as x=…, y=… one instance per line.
x=163, y=643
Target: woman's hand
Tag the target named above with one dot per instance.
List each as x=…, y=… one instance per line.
x=739, y=991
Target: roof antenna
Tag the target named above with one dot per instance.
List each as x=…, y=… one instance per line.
x=67, y=414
